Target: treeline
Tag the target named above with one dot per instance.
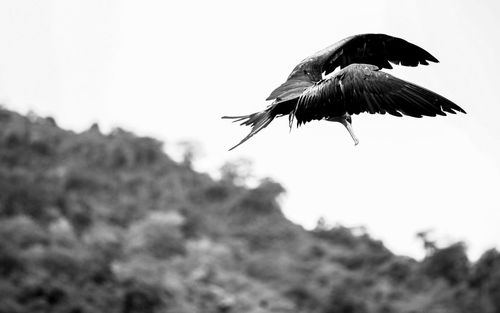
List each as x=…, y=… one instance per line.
x=93, y=222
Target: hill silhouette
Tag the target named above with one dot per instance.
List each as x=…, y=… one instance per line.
x=94, y=222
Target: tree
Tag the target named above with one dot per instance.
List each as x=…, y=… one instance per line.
x=237, y=172
x=191, y=150
x=450, y=263
x=429, y=245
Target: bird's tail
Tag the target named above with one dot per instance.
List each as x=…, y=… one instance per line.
x=258, y=121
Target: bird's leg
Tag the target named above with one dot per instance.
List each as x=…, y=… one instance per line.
x=347, y=122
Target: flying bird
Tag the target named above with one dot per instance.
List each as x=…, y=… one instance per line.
x=313, y=91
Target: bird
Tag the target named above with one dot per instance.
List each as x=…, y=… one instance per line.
x=347, y=78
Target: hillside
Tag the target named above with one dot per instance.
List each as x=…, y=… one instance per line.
x=94, y=222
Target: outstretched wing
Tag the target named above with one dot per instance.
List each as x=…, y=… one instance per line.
x=364, y=88
x=375, y=49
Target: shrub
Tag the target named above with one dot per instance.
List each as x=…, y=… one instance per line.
x=158, y=235
x=450, y=263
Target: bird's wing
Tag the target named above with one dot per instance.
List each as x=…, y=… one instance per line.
x=376, y=49
x=364, y=88
x=292, y=88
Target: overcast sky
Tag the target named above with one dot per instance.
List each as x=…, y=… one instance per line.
x=170, y=69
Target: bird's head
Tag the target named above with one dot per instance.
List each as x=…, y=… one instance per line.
x=306, y=69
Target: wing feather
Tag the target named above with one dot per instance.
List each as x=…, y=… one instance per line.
x=375, y=49
x=364, y=88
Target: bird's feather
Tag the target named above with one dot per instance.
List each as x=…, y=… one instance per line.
x=292, y=88
x=375, y=49
x=359, y=85
x=260, y=120
x=364, y=88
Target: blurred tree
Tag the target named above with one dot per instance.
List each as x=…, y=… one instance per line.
x=493, y=290
x=141, y=298
x=22, y=232
x=95, y=128
x=191, y=151
x=429, y=245
x=51, y=121
x=11, y=261
x=338, y=235
x=263, y=198
x=109, y=223
x=481, y=271
x=450, y=263
x=322, y=225
x=485, y=276
x=399, y=269
x=237, y=172
x=158, y=235
x=345, y=299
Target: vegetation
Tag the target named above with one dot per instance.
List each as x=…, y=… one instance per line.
x=94, y=222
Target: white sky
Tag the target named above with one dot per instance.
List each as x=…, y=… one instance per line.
x=170, y=69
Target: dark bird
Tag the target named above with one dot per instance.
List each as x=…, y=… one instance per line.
x=359, y=86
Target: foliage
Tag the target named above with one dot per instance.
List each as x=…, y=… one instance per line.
x=94, y=222
x=450, y=263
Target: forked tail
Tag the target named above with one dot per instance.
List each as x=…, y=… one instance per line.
x=258, y=121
